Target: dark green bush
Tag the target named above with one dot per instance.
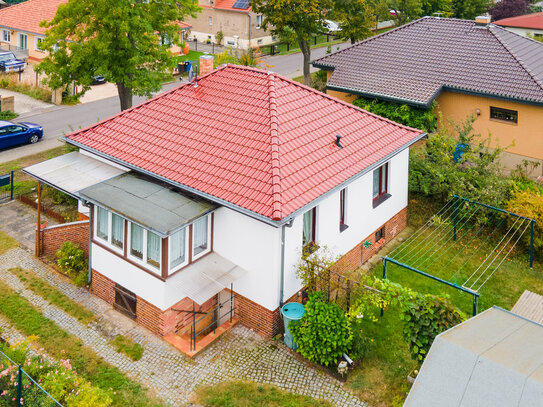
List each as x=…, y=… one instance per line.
x=423, y=119
x=324, y=333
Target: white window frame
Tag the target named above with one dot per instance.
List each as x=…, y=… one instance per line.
x=210, y=20
x=143, y=262
x=20, y=42
x=209, y=237
x=109, y=241
x=8, y=32
x=36, y=43
x=261, y=18
x=187, y=248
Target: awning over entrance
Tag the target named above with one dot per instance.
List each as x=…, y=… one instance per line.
x=205, y=278
x=72, y=172
x=153, y=206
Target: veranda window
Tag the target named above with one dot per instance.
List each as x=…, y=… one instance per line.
x=102, y=223
x=136, y=241
x=177, y=248
x=153, y=249
x=200, y=236
x=308, y=236
x=117, y=231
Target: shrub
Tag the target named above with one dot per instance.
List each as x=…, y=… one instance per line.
x=529, y=203
x=475, y=174
x=324, y=333
x=71, y=259
x=8, y=115
x=423, y=119
x=59, y=197
x=219, y=37
x=28, y=89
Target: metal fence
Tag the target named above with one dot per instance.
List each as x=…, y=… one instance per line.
x=6, y=187
x=21, y=53
x=210, y=48
x=18, y=389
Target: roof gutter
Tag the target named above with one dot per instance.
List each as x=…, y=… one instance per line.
x=382, y=96
x=254, y=215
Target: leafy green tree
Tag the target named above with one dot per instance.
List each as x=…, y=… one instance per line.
x=380, y=10
x=469, y=9
x=355, y=18
x=442, y=8
x=304, y=17
x=406, y=10
x=117, y=39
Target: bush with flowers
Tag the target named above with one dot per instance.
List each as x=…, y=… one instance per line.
x=57, y=378
x=71, y=260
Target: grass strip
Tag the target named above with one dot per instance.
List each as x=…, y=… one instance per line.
x=248, y=394
x=53, y=295
x=62, y=345
x=7, y=243
x=127, y=346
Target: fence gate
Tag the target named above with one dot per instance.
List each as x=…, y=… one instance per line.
x=6, y=187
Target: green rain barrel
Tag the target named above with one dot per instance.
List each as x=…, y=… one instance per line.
x=293, y=311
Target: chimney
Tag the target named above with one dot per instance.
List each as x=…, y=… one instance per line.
x=482, y=21
x=206, y=64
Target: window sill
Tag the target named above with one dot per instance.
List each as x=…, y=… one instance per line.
x=503, y=121
x=343, y=227
x=378, y=201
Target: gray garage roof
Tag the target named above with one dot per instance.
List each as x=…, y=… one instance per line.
x=493, y=359
x=151, y=205
x=415, y=62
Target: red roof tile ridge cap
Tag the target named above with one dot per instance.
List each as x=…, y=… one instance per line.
x=159, y=96
x=493, y=27
x=347, y=104
x=277, y=201
x=373, y=38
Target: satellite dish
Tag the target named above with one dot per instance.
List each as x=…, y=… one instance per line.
x=191, y=74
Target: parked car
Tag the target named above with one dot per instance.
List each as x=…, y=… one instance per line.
x=10, y=63
x=12, y=134
x=331, y=26
x=98, y=80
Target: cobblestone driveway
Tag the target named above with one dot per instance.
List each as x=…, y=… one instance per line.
x=239, y=354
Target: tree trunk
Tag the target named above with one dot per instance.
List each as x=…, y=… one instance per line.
x=353, y=41
x=125, y=96
x=306, y=52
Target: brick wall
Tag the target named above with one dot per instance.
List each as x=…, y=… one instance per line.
x=359, y=254
x=103, y=287
x=53, y=237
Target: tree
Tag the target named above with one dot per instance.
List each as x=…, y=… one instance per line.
x=509, y=8
x=442, y=8
x=355, y=19
x=469, y=9
x=406, y=10
x=380, y=10
x=117, y=39
x=304, y=17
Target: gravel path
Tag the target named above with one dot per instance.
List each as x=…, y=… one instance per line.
x=238, y=354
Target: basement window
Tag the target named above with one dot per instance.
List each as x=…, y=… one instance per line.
x=504, y=115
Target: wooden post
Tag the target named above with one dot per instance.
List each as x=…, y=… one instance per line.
x=38, y=226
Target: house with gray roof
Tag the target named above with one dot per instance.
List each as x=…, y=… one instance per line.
x=467, y=67
x=493, y=359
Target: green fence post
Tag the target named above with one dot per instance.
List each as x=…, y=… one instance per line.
x=474, y=305
x=384, y=278
x=20, y=387
x=532, y=243
x=11, y=186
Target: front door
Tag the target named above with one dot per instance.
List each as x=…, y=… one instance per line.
x=224, y=307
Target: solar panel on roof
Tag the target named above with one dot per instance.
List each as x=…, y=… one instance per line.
x=241, y=4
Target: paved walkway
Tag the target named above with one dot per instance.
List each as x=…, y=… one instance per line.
x=238, y=354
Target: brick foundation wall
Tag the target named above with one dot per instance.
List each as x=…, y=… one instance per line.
x=153, y=318
x=53, y=237
x=359, y=254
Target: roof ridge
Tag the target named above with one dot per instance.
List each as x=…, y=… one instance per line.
x=538, y=81
x=277, y=202
x=159, y=96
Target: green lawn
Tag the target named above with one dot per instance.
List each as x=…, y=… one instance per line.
x=127, y=346
x=380, y=379
x=6, y=243
x=247, y=394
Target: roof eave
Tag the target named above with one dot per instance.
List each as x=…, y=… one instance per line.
x=388, y=98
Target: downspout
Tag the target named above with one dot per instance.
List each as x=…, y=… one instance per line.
x=89, y=279
x=281, y=291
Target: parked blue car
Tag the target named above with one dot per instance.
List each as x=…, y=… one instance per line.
x=12, y=134
x=10, y=63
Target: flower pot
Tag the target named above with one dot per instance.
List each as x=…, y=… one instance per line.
x=186, y=48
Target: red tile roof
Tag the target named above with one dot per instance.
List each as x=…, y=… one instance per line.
x=534, y=21
x=248, y=137
x=229, y=5
x=28, y=15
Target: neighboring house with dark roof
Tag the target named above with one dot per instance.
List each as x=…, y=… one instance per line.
x=531, y=24
x=20, y=29
x=493, y=359
x=241, y=27
x=468, y=67
x=221, y=185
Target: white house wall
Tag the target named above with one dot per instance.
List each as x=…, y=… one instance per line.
x=361, y=218
x=255, y=247
x=524, y=31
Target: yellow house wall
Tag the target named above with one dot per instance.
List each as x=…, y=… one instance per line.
x=340, y=95
x=527, y=134
x=33, y=53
